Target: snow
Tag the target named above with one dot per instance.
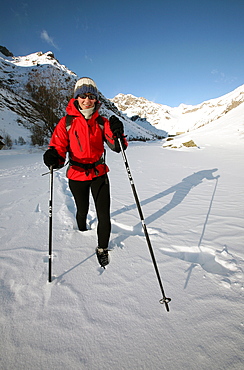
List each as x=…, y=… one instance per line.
x=37, y=59
x=15, y=107
x=183, y=118
x=90, y=318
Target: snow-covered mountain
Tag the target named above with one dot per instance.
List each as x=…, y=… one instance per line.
x=18, y=110
x=143, y=119
x=183, y=118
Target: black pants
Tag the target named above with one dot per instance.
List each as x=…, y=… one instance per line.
x=101, y=194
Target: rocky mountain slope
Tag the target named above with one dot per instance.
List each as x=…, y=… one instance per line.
x=183, y=118
x=19, y=110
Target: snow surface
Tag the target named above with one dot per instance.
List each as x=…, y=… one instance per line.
x=90, y=318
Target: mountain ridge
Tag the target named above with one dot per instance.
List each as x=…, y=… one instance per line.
x=18, y=108
x=183, y=118
x=142, y=119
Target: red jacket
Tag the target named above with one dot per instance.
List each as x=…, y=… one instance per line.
x=84, y=142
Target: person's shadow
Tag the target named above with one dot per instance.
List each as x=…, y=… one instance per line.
x=179, y=191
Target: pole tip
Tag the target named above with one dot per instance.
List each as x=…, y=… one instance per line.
x=165, y=301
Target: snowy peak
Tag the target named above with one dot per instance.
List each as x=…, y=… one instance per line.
x=182, y=118
x=18, y=76
x=18, y=109
x=40, y=59
x=134, y=106
x=14, y=71
x=129, y=100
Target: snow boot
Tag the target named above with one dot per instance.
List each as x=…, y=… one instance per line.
x=102, y=256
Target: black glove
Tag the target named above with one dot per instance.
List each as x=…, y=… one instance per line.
x=52, y=158
x=116, y=126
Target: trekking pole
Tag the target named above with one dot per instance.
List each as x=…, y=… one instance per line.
x=163, y=300
x=50, y=213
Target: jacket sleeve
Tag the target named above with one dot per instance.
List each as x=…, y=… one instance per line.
x=60, y=139
x=112, y=141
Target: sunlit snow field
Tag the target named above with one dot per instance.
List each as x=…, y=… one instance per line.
x=90, y=318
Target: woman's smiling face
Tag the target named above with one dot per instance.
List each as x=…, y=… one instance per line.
x=86, y=101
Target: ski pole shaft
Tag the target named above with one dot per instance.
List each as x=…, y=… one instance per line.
x=164, y=300
x=50, y=211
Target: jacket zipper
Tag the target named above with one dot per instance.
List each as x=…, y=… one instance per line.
x=77, y=137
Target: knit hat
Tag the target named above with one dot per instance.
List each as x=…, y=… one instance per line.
x=85, y=85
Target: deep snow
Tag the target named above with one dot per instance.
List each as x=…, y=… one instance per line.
x=90, y=318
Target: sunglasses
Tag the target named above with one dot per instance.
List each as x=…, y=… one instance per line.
x=90, y=96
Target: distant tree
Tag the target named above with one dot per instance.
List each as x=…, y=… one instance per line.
x=49, y=98
x=21, y=141
x=8, y=141
x=38, y=136
x=1, y=142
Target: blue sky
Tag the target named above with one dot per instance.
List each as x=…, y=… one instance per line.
x=168, y=51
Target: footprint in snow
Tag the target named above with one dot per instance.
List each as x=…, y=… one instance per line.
x=214, y=262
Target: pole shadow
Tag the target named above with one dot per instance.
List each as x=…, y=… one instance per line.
x=179, y=191
x=218, y=262
x=59, y=279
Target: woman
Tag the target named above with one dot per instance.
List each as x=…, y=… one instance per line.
x=82, y=134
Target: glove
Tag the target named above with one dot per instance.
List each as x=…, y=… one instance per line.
x=116, y=126
x=52, y=158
